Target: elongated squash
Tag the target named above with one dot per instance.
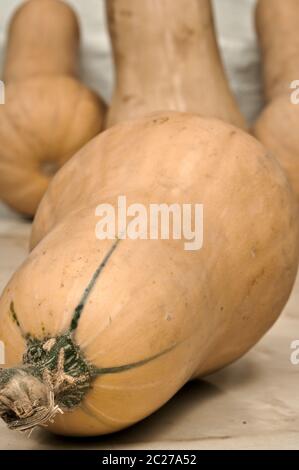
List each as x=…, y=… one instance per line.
x=48, y=114
x=108, y=330
x=167, y=58
x=277, y=127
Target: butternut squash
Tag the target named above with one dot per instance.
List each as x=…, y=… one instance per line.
x=106, y=331
x=277, y=126
x=48, y=113
x=166, y=58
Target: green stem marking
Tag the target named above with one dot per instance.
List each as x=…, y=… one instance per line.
x=15, y=319
x=79, y=309
x=115, y=370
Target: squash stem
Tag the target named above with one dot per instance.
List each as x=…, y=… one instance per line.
x=54, y=377
x=25, y=401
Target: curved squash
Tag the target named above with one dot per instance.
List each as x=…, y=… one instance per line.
x=108, y=330
x=277, y=126
x=48, y=114
x=167, y=58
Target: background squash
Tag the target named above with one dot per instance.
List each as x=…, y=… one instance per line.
x=109, y=330
x=167, y=58
x=277, y=127
x=48, y=114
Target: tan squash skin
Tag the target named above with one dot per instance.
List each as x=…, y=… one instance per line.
x=199, y=310
x=277, y=126
x=48, y=114
x=166, y=58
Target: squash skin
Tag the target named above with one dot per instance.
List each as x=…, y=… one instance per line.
x=209, y=306
x=167, y=58
x=48, y=114
x=38, y=46
x=37, y=140
x=277, y=125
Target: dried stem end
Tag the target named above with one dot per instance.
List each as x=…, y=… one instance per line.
x=25, y=401
x=54, y=377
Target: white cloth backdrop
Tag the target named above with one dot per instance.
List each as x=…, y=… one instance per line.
x=237, y=39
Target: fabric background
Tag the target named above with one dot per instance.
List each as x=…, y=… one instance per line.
x=237, y=39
